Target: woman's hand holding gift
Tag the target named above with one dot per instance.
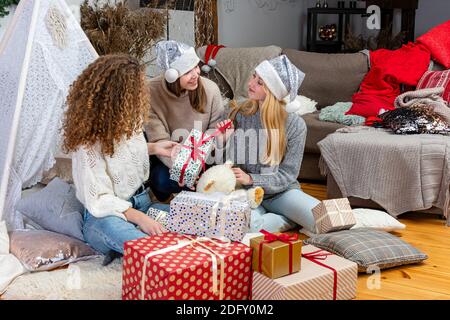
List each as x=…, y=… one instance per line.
x=242, y=177
x=145, y=223
x=228, y=132
x=163, y=148
x=151, y=227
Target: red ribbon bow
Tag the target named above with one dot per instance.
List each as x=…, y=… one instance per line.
x=196, y=152
x=270, y=237
x=323, y=255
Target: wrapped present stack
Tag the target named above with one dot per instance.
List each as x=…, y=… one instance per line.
x=276, y=255
x=323, y=276
x=333, y=215
x=177, y=267
x=209, y=215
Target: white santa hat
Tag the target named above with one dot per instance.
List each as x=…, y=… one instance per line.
x=283, y=79
x=175, y=59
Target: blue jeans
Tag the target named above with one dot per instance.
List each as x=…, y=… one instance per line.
x=161, y=185
x=284, y=212
x=110, y=233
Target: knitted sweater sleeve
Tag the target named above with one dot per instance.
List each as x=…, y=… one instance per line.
x=94, y=185
x=276, y=180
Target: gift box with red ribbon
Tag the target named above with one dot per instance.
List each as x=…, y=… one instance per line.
x=333, y=215
x=276, y=254
x=191, y=159
x=324, y=276
x=209, y=215
x=178, y=267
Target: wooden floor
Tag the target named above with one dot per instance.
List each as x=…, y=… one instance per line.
x=427, y=281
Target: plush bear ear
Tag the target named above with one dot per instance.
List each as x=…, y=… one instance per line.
x=229, y=164
x=209, y=186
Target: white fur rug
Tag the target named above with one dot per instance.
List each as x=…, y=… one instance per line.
x=86, y=280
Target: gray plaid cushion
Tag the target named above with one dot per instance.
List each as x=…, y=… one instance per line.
x=368, y=247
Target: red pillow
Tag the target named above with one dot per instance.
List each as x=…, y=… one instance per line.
x=389, y=69
x=434, y=79
x=437, y=40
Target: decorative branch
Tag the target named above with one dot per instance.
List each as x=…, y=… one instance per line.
x=4, y=4
x=114, y=28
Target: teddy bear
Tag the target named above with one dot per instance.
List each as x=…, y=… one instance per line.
x=221, y=178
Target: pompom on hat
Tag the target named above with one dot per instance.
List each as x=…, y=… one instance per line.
x=175, y=59
x=283, y=79
x=210, y=56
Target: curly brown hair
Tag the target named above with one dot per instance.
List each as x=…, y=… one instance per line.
x=108, y=101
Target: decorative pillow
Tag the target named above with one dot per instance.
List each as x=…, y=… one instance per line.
x=438, y=42
x=416, y=119
x=368, y=248
x=55, y=208
x=41, y=250
x=371, y=219
x=376, y=219
x=434, y=79
x=10, y=266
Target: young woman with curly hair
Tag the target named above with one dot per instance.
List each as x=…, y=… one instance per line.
x=272, y=160
x=180, y=100
x=103, y=129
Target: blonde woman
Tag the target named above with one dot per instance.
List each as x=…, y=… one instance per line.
x=267, y=146
x=180, y=100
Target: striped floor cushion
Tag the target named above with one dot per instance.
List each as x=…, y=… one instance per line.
x=368, y=248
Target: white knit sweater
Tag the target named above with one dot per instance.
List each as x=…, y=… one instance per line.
x=105, y=184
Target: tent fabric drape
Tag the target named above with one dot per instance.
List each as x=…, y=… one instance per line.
x=36, y=74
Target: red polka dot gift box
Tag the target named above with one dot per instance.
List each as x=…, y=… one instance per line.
x=178, y=267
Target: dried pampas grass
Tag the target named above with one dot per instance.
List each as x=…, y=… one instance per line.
x=114, y=28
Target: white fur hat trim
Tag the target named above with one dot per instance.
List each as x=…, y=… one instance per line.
x=186, y=62
x=272, y=80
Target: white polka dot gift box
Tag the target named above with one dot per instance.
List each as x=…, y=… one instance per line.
x=177, y=267
x=324, y=276
x=209, y=215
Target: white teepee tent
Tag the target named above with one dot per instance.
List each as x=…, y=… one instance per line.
x=42, y=52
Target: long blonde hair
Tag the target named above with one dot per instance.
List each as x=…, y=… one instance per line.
x=273, y=118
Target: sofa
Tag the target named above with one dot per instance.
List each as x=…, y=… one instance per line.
x=330, y=78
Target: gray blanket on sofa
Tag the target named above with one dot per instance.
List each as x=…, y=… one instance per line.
x=400, y=173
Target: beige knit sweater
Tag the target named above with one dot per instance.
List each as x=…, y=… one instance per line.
x=172, y=117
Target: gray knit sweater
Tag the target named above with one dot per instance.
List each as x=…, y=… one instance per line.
x=246, y=148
